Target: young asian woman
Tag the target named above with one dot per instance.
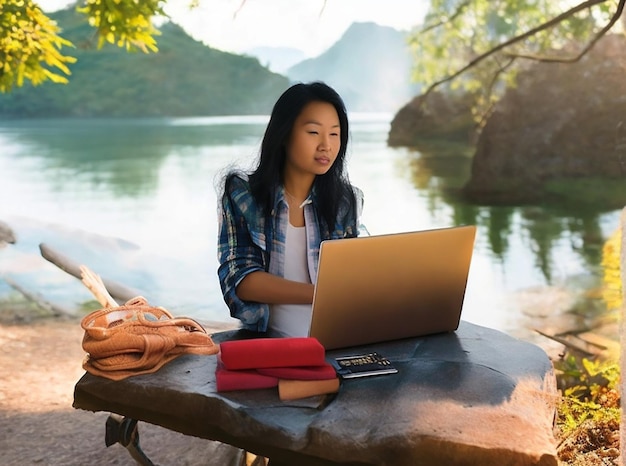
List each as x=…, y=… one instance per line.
x=273, y=219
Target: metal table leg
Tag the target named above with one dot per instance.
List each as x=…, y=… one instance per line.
x=124, y=431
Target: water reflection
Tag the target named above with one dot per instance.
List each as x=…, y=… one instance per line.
x=441, y=171
x=150, y=181
x=126, y=155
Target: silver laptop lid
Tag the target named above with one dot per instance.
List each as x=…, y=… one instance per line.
x=379, y=288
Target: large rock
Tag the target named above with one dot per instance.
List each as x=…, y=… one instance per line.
x=441, y=116
x=563, y=121
x=6, y=234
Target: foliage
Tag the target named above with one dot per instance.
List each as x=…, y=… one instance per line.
x=29, y=46
x=448, y=41
x=127, y=23
x=476, y=45
x=591, y=392
x=591, y=388
x=612, y=293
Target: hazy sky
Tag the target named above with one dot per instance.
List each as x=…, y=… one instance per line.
x=309, y=25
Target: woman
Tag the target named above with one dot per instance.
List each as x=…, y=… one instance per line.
x=274, y=219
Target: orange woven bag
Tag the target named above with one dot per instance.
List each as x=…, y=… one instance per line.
x=137, y=338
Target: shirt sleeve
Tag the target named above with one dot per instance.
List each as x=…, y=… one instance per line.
x=360, y=201
x=241, y=250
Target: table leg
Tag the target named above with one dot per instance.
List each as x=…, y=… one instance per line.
x=124, y=431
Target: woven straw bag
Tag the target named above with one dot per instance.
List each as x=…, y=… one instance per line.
x=137, y=338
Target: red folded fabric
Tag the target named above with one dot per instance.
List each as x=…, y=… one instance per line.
x=242, y=380
x=260, y=353
x=323, y=372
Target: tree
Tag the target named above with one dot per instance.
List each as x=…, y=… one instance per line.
x=31, y=47
x=473, y=44
x=479, y=46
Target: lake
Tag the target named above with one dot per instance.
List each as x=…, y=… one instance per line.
x=152, y=182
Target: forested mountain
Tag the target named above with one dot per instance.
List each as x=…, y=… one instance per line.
x=185, y=78
x=370, y=66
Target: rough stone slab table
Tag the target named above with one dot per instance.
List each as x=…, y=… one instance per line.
x=472, y=397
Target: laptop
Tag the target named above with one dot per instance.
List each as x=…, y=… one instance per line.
x=378, y=288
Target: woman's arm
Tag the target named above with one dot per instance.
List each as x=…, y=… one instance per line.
x=263, y=287
x=238, y=255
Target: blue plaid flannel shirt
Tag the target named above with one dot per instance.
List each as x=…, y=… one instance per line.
x=246, y=243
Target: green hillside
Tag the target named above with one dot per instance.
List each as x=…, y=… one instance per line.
x=185, y=78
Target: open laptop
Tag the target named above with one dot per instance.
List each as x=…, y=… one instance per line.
x=378, y=288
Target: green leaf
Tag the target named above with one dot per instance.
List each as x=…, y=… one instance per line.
x=29, y=42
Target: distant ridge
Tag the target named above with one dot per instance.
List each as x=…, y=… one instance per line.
x=370, y=66
x=185, y=78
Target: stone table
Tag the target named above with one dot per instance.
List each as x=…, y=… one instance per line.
x=472, y=397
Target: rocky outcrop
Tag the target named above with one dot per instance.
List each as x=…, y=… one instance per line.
x=440, y=117
x=6, y=234
x=563, y=121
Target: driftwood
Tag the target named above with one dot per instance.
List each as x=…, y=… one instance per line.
x=571, y=342
x=53, y=309
x=95, y=284
x=586, y=344
x=118, y=292
x=108, y=292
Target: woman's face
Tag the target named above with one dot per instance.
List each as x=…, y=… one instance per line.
x=314, y=141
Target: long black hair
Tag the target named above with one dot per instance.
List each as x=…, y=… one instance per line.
x=332, y=188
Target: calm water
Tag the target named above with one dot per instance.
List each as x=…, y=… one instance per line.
x=152, y=183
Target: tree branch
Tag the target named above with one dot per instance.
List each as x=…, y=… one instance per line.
x=449, y=19
x=322, y=9
x=492, y=84
x=554, y=21
x=243, y=2
x=589, y=46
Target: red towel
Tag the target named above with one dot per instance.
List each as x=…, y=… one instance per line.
x=242, y=380
x=260, y=353
x=323, y=372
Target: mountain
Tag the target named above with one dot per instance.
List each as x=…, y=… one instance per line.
x=370, y=66
x=185, y=78
x=277, y=59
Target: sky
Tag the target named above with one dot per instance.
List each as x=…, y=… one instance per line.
x=308, y=25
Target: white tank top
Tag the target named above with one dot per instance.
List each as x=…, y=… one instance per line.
x=293, y=320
